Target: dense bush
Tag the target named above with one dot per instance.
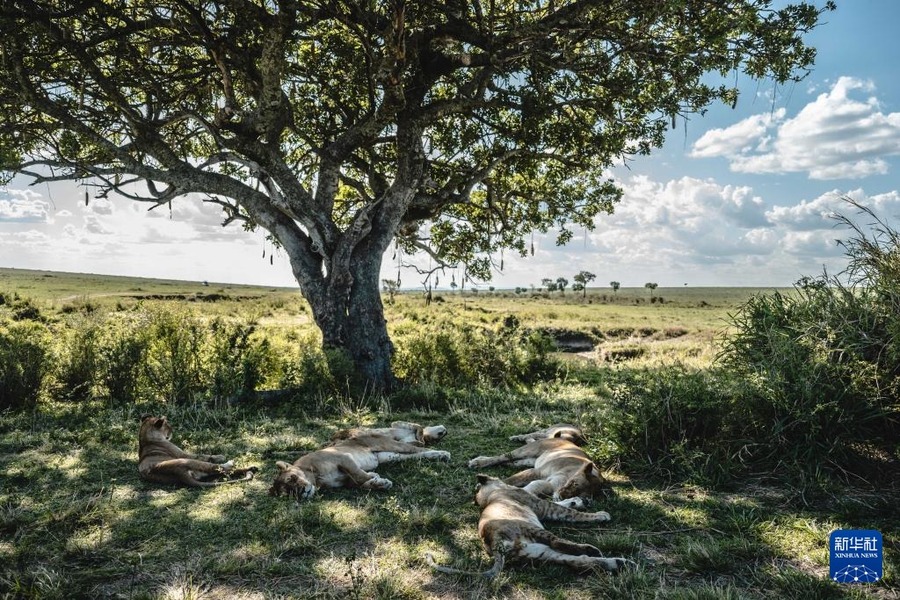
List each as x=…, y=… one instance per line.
x=238, y=362
x=675, y=422
x=463, y=354
x=825, y=359
x=123, y=351
x=25, y=359
x=78, y=363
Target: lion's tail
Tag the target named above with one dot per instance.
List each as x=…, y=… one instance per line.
x=490, y=573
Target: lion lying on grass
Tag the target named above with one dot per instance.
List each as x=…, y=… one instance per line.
x=349, y=461
x=401, y=431
x=559, y=467
x=161, y=461
x=510, y=528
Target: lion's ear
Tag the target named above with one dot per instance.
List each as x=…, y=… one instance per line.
x=160, y=422
x=145, y=416
x=482, y=479
x=282, y=465
x=586, y=469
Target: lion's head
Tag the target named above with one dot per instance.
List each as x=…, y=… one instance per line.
x=587, y=482
x=292, y=481
x=568, y=432
x=154, y=429
x=417, y=434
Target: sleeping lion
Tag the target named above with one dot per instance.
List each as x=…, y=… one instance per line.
x=559, y=468
x=161, y=461
x=349, y=461
x=511, y=529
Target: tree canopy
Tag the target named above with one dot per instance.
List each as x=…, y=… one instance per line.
x=457, y=128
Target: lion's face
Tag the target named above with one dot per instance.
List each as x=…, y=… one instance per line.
x=568, y=432
x=154, y=429
x=291, y=481
x=586, y=483
x=433, y=434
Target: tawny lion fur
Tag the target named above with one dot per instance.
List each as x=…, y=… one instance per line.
x=559, y=468
x=349, y=461
x=161, y=461
x=511, y=529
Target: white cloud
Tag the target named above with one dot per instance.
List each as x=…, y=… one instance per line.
x=94, y=225
x=23, y=206
x=836, y=136
x=100, y=206
x=741, y=137
x=705, y=233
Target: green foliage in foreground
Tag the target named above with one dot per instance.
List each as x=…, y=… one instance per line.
x=711, y=500
x=76, y=521
x=825, y=360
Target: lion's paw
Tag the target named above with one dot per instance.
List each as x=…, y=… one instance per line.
x=480, y=461
x=438, y=455
x=573, y=503
x=227, y=466
x=378, y=483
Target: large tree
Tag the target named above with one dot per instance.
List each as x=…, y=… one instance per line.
x=455, y=128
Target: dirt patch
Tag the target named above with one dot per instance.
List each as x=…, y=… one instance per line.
x=570, y=340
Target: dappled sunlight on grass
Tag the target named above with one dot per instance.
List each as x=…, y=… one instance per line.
x=163, y=499
x=82, y=518
x=7, y=550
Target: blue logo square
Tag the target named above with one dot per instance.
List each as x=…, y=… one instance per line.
x=856, y=556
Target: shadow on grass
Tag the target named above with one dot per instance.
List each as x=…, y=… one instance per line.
x=75, y=519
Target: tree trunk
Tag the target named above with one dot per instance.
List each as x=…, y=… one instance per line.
x=343, y=292
x=353, y=323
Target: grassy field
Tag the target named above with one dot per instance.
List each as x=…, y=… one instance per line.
x=76, y=521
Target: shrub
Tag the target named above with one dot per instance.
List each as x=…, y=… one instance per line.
x=238, y=362
x=78, y=364
x=312, y=371
x=123, y=353
x=175, y=354
x=24, y=363
x=463, y=354
x=21, y=309
x=825, y=359
x=675, y=422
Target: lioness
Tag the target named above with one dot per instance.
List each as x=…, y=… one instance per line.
x=347, y=463
x=510, y=528
x=559, y=468
x=161, y=461
x=402, y=431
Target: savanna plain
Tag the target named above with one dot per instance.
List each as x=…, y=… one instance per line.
x=714, y=494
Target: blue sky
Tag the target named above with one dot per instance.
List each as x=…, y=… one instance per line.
x=735, y=197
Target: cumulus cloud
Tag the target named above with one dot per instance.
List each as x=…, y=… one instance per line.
x=19, y=239
x=839, y=135
x=743, y=136
x=704, y=232
x=23, y=206
x=100, y=206
x=94, y=225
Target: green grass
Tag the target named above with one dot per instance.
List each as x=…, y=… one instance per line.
x=76, y=521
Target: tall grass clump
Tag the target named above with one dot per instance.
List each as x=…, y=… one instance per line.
x=455, y=354
x=675, y=423
x=25, y=360
x=825, y=358
x=238, y=362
